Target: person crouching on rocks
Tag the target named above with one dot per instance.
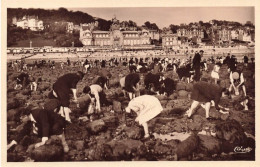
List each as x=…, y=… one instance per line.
x=45, y=123
x=237, y=82
x=96, y=91
x=22, y=80
x=204, y=92
x=62, y=89
x=146, y=107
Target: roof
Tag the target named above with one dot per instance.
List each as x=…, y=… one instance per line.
x=100, y=32
x=133, y=32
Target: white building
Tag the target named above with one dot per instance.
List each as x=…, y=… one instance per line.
x=30, y=22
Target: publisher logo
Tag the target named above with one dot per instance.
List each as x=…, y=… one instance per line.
x=241, y=149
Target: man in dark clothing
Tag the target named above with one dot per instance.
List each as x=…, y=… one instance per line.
x=246, y=60
x=62, y=89
x=232, y=63
x=204, y=92
x=22, y=80
x=103, y=63
x=132, y=84
x=168, y=86
x=196, y=65
x=46, y=122
x=152, y=81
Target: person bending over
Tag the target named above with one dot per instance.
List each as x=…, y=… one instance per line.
x=45, y=123
x=204, y=92
x=146, y=107
x=62, y=89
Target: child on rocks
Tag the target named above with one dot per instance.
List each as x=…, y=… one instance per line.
x=146, y=107
x=45, y=123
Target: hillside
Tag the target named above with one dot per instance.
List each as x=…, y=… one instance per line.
x=50, y=16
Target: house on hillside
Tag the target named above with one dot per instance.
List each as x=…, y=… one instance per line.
x=29, y=22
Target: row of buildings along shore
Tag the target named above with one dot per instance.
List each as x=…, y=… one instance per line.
x=120, y=37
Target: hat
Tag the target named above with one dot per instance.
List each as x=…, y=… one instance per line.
x=202, y=51
x=52, y=104
x=235, y=75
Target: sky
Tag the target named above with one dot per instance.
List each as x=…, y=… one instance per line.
x=164, y=16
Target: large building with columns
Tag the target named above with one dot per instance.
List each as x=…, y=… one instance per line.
x=114, y=38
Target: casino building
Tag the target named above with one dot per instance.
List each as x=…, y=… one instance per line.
x=115, y=37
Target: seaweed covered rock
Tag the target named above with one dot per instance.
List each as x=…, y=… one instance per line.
x=47, y=153
x=126, y=149
x=209, y=145
x=96, y=126
x=187, y=147
x=231, y=131
x=134, y=132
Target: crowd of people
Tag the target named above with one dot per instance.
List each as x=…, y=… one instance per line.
x=52, y=119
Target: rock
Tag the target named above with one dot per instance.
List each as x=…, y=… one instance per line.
x=84, y=101
x=100, y=152
x=76, y=132
x=25, y=141
x=209, y=145
x=13, y=115
x=214, y=113
x=173, y=96
x=96, y=126
x=187, y=147
x=14, y=157
x=189, y=87
x=13, y=103
x=126, y=149
x=180, y=86
x=117, y=106
x=225, y=83
x=37, y=97
x=111, y=121
x=199, y=119
x=20, y=96
x=11, y=124
x=44, y=86
x=79, y=145
x=237, y=106
x=134, y=132
x=195, y=126
x=19, y=148
x=230, y=131
x=183, y=93
x=47, y=153
x=26, y=92
x=224, y=117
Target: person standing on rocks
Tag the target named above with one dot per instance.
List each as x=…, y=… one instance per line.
x=62, y=89
x=146, y=107
x=215, y=73
x=45, y=123
x=204, y=92
x=196, y=65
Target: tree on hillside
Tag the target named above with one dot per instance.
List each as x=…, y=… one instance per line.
x=151, y=26
x=174, y=28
